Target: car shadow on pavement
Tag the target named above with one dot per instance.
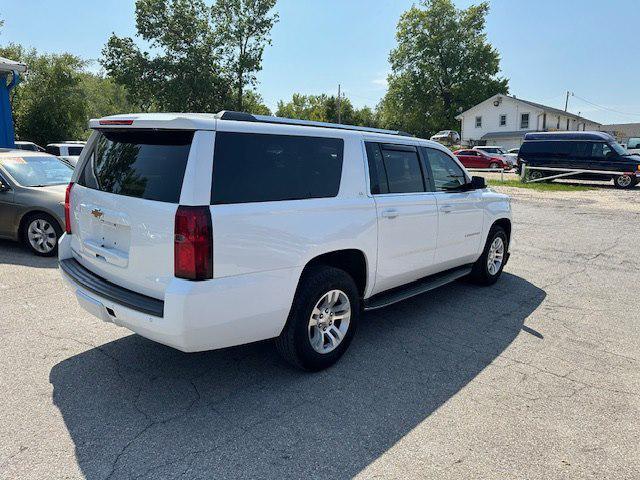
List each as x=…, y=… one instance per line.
x=137, y=409
x=14, y=253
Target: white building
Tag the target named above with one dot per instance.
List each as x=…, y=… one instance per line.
x=503, y=120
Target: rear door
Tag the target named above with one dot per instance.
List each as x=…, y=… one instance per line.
x=124, y=202
x=407, y=214
x=460, y=213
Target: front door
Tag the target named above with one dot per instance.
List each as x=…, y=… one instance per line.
x=7, y=209
x=407, y=215
x=460, y=213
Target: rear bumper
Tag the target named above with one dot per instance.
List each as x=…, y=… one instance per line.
x=194, y=316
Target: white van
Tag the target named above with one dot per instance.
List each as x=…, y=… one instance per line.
x=204, y=231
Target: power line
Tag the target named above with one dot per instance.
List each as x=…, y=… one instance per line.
x=602, y=107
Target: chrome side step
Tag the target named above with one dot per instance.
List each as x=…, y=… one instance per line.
x=416, y=288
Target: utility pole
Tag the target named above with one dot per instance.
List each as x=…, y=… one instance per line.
x=339, y=106
x=566, y=102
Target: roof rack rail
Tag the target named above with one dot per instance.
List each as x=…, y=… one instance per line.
x=247, y=117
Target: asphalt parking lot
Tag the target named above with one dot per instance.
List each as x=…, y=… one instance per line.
x=537, y=377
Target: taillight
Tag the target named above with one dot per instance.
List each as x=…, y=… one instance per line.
x=67, y=209
x=193, y=243
x=116, y=122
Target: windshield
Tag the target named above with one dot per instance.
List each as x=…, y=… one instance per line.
x=37, y=171
x=619, y=149
x=494, y=150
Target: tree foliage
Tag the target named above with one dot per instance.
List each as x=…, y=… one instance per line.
x=244, y=27
x=199, y=58
x=185, y=70
x=57, y=96
x=49, y=104
x=441, y=66
x=324, y=108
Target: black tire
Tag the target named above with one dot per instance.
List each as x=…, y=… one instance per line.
x=480, y=274
x=624, y=181
x=294, y=343
x=44, y=217
x=494, y=165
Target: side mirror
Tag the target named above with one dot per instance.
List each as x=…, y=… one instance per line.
x=478, y=183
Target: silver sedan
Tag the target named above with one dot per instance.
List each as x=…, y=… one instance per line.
x=32, y=191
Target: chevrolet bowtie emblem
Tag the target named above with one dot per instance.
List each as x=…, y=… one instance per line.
x=96, y=212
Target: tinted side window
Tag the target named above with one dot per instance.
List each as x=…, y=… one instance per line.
x=581, y=149
x=377, y=173
x=545, y=148
x=264, y=168
x=447, y=174
x=53, y=150
x=403, y=171
x=139, y=163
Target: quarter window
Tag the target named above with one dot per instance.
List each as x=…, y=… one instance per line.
x=403, y=170
x=524, y=120
x=503, y=120
x=478, y=122
x=447, y=174
x=264, y=168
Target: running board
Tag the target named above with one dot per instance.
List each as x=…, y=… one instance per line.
x=423, y=285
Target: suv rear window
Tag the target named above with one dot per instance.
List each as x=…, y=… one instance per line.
x=141, y=164
x=263, y=168
x=75, y=151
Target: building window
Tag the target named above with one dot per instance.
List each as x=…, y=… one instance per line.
x=558, y=123
x=478, y=122
x=503, y=120
x=524, y=120
x=567, y=124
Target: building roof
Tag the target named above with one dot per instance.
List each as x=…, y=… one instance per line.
x=597, y=136
x=537, y=105
x=7, y=65
x=512, y=134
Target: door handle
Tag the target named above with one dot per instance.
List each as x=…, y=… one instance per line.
x=446, y=209
x=392, y=213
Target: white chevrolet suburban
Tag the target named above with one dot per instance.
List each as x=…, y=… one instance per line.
x=203, y=231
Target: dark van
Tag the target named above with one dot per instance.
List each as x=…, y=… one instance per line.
x=596, y=151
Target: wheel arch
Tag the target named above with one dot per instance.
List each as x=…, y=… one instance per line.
x=26, y=215
x=505, y=224
x=351, y=260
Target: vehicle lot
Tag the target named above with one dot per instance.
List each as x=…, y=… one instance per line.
x=536, y=377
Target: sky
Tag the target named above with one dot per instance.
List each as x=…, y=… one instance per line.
x=588, y=47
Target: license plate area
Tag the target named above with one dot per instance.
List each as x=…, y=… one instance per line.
x=106, y=235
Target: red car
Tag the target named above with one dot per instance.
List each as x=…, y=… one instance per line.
x=479, y=159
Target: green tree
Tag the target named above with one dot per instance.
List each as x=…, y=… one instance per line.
x=441, y=66
x=185, y=72
x=104, y=96
x=50, y=103
x=253, y=103
x=324, y=108
x=244, y=27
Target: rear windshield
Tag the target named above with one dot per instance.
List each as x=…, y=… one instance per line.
x=141, y=164
x=75, y=151
x=263, y=168
x=34, y=171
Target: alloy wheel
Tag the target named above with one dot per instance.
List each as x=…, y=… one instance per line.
x=329, y=321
